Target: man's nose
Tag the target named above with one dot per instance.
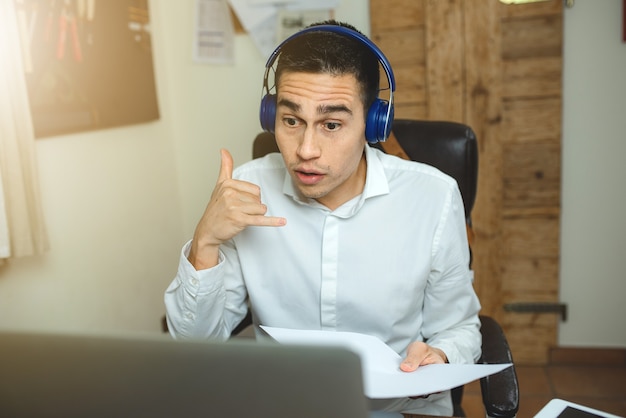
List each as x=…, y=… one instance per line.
x=309, y=147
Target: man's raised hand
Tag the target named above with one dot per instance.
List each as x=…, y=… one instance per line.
x=234, y=205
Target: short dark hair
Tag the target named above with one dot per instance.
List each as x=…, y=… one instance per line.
x=332, y=53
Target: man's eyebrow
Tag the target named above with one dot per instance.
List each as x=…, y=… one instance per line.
x=289, y=104
x=321, y=109
x=326, y=109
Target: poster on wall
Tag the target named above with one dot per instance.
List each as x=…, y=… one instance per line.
x=88, y=64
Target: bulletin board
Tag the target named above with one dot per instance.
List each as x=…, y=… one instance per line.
x=88, y=64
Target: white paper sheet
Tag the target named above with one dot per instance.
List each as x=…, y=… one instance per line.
x=292, y=21
x=382, y=377
x=251, y=14
x=262, y=18
x=213, y=40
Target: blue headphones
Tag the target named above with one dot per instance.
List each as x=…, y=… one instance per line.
x=380, y=114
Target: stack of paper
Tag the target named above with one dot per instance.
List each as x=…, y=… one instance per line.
x=381, y=365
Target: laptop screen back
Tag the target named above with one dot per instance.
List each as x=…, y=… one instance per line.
x=96, y=376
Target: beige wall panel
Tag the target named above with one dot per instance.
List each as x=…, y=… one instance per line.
x=444, y=65
x=531, y=160
x=530, y=349
x=532, y=77
x=539, y=36
x=496, y=68
x=532, y=175
x=552, y=7
x=532, y=237
x=525, y=276
x=396, y=14
x=517, y=320
x=411, y=111
x=532, y=120
x=519, y=194
x=529, y=341
x=482, y=111
x=404, y=47
x=530, y=335
x=531, y=212
x=525, y=295
x=410, y=82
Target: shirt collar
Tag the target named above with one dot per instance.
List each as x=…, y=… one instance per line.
x=376, y=184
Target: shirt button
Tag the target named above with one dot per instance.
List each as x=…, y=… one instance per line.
x=189, y=315
x=194, y=282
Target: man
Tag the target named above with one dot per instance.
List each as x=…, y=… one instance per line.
x=331, y=233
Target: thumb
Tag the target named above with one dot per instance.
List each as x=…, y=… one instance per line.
x=414, y=356
x=226, y=167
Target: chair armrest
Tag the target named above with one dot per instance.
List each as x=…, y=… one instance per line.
x=245, y=322
x=500, y=391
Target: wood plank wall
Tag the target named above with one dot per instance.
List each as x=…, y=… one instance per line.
x=532, y=39
x=497, y=68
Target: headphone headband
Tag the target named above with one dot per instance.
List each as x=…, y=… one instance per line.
x=342, y=31
x=380, y=115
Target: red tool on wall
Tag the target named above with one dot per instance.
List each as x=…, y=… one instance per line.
x=67, y=18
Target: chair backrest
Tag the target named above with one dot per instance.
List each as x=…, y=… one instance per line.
x=449, y=146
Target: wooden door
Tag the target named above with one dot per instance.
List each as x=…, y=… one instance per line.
x=497, y=68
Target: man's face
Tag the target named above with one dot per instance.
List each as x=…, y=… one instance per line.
x=320, y=130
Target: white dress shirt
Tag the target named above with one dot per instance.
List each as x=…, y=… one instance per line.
x=393, y=262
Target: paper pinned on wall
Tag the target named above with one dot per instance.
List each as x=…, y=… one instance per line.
x=213, y=33
x=311, y=5
x=291, y=21
x=252, y=14
x=269, y=22
x=264, y=36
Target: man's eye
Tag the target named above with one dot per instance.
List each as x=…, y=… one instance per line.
x=290, y=122
x=332, y=126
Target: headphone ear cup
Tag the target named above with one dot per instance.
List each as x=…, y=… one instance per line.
x=267, y=114
x=377, y=126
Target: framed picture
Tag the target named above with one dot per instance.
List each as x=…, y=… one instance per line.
x=88, y=64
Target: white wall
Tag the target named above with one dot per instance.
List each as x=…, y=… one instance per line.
x=112, y=208
x=215, y=106
x=119, y=203
x=593, y=232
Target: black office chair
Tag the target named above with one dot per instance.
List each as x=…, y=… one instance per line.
x=452, y=148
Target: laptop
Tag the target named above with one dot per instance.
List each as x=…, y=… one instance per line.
x=55, y=375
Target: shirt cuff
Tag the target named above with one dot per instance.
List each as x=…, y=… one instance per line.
x=200, y=281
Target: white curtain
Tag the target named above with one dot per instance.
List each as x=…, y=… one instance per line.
x=5, y=245
x=22, y=229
